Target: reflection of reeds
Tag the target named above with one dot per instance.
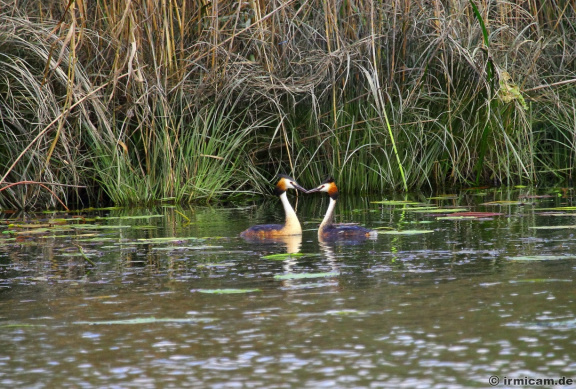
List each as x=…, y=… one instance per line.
x=141, y=101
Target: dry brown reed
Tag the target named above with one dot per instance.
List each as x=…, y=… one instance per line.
x=196, y=99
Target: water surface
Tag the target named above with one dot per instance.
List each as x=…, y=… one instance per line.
x=450, y=305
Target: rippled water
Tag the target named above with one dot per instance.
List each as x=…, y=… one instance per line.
x=474, y=298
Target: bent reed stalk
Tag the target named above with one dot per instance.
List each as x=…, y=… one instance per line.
x=186, y=101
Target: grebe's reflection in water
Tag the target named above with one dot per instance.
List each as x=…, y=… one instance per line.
x=292, y=243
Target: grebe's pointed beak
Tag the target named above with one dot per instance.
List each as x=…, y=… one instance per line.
x=300, y=188
x=314, y=190
x=319, y=188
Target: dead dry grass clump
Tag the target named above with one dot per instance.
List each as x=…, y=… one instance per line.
x=187, y=100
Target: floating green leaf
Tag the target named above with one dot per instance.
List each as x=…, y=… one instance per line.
x=556, y=209
x=552, y=227
x=503, y=202
x=216, y=264
x=456, y=218
x=470, y=215
x=418, y=209
x=540, y=257
x=281, y=257
x=205, y=247
x=127, y=217
x=395, y=202
x=439, y=210
x=226, y=291
x=556, y=214
x=310, y=285
x=406, y=232
x=345, y=312
x=539, y=280
x=147, y=320
x=444, y=197
x=21, y=325
x=89, y=227
x=165, y=240
x=297, y=276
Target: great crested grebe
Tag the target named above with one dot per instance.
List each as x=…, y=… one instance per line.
x=328, y=230
x=291, y=226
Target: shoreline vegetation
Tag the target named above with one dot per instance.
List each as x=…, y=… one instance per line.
x=130, y=102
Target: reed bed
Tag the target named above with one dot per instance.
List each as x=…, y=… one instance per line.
x=189, y=100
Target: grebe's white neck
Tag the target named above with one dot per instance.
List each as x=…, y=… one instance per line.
x=292, y=224
x=329, y=215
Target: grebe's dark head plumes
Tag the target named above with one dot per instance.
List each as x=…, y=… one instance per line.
x=328, y=186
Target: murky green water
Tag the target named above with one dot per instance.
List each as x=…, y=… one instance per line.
x=474, y=298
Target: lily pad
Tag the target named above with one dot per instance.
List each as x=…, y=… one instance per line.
x=89, y=227
x=395, y=202
x=344, y=312
x=166, y=240
x=503, y=202
x=444, y=197
x=557, y=324
x=147, y=320
x=475, y=215
x=127, y=217
x=406, y=232
x=171, y=248
x=427, y=208
x=216, y=264
x=297, y=276
x=556, y=214
x=281, y=257
x=19, y=325
x=539, y=280
x=540, y=257
x=442, y=210
x=556, y=209
x=225, y=291
x=553, y=227
x=311, y=285
x=456, y=218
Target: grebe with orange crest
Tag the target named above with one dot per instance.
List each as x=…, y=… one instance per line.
x=291, y=225
x=328, y=230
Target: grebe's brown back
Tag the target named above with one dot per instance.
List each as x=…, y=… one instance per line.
x=328, y=230
x=291, y=225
